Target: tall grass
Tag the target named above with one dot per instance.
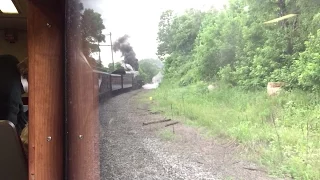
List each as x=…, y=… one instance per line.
x=283, y=131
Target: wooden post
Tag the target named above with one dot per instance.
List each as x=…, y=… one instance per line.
x=46, y=85
x=121, y=81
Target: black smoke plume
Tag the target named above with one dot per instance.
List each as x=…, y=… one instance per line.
x=126, y=49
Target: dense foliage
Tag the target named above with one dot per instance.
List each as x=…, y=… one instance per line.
x=91, y=32
x=148, y=68
x=236, y=46
x=281, y=134
x=110, y=68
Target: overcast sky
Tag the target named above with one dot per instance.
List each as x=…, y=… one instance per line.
x=139, y=19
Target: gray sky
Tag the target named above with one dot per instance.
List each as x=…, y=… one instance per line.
x=139, y=19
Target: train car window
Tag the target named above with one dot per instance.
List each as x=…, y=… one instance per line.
x=231, y=89
x=82, y=95
x=91, y=82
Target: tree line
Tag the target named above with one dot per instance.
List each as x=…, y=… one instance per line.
x=92, y=26
x=237, y=47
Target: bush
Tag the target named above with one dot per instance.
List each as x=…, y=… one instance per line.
x=281, y=132
x=308, y=64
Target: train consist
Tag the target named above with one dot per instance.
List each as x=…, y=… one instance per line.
x=117, y=81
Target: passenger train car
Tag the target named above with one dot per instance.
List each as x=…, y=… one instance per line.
x=63, y=93
x=110, y=83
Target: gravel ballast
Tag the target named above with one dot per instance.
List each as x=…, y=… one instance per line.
x=129, y=150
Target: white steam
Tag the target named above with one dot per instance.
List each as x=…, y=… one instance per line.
x=156, y=80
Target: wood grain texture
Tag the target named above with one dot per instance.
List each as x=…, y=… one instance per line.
x=46, y=95
x=82, y=104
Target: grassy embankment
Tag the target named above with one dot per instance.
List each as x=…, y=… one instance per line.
x=280, y=132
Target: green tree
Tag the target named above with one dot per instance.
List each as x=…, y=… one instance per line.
x=164, y=33
x=176, y=36
x=117, y=65
x=218, y=42
x=236, y=46
x=91, y=31
x=307, y=67
x=110, y=67
x=148, y=68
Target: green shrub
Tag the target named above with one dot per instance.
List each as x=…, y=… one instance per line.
x=283, y=131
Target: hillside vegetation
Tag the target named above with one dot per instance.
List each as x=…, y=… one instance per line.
x=148, y=68
x=237, y=52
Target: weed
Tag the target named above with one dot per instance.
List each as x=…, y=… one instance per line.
x=284, y=130
x=229, y=178
x=166, y=134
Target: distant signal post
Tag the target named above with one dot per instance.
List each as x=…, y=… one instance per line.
x=111, y=46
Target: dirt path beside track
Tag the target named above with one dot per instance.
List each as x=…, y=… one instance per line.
x=130, y=150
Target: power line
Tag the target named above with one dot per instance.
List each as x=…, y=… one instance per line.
x=111, y=46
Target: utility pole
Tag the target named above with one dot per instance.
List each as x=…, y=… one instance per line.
x=99, y=52
x=111, y=46
x=111, y=51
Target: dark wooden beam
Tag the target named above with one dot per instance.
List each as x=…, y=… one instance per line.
x=46, y=89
